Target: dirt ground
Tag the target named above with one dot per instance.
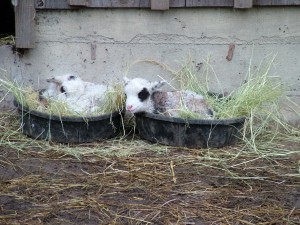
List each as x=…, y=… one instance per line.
x=175, y=187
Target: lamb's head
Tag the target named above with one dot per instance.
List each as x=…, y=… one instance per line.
x=138, y=94
x=68, y=84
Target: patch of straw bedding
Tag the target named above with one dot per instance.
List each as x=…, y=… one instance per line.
x=113, y=99
x=7, y=39
x=129, y=181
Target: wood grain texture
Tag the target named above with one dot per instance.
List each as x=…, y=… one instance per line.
x=24, y=19
x=160, y=4
x=209, y=3
x=52, y=4
x=77, y=2
x=243, y=4
x=73, y=4
x=69, y=4
x=177, y=3
x=276, y=2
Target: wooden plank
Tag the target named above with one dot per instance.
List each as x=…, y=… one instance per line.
x=230, y=3
x=243, y=4
x=177, y=3
x=259, y=2
x=276, y=2
x=77, y=2
x=24, y=19
x=69, y=4
x=64, y=4
x=52, y=4
x=160, y=4
x=209, y=3
x=119, y=4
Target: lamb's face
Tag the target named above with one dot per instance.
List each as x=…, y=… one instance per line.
x=138, y=93
x=67, y=84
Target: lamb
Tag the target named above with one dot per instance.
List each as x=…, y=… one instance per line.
x=145, y=96
x=78, y=95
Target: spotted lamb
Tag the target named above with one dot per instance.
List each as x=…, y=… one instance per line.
x=145, y=96
x=79, y=96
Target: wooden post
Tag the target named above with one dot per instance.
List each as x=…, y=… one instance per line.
x=160, y=4
x=243, y=4
x=77, y=2
x=24, y=21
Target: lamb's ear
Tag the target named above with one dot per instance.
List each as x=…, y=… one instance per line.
x=50, y=79
x=126, y=80
x=157, y=84
x=53, y=80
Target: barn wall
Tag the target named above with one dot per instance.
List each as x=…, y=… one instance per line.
x=65, y=41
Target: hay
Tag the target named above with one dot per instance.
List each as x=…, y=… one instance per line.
x=258, y=91
x=113, y=100
x=258, y=99
x=129, y=181
x=7, y=40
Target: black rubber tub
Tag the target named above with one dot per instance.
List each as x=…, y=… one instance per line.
x=192, y=133
x=65, y=129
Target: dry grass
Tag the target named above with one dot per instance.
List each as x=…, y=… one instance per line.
x=258, y=99
x=7, y=40
x=258, y=91
x=113, y=100
x=129, y=181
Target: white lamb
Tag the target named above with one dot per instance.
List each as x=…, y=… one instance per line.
x=78, y=95
x=144, y=96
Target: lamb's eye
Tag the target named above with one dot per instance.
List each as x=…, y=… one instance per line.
x=143, y=94
x=71, y=77
x=62, y=89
